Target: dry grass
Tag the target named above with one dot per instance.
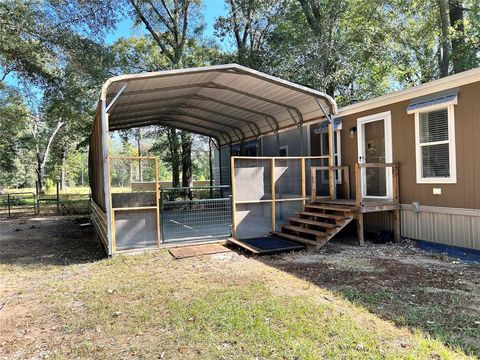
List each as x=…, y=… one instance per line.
x=222, y=306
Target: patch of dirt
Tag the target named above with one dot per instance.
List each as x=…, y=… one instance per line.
x=400, y=283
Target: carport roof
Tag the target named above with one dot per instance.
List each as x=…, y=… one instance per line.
x=231, y=103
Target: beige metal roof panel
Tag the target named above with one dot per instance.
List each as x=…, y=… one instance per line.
x=225, y=101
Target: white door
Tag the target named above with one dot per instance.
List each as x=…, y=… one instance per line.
x=375, y=146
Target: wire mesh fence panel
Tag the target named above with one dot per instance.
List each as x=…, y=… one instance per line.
x=259, y=209
x=195, y=214
x=17, y=204
x=253, y=179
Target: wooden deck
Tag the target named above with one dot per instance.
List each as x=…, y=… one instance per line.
x=367, y=205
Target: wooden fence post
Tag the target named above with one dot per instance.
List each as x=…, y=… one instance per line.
x=58, y=197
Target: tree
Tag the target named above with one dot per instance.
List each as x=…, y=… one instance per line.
x=169, y=22
x=14, y=122
x=249, y=22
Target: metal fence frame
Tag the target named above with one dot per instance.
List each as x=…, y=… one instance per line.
x=209, y=217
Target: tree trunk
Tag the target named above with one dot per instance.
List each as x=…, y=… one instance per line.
x=139, y=149
x=186, y=159
x=459, y=53
x=444, y=24
x=42, y=159
x=174, y=156
x=63, y=181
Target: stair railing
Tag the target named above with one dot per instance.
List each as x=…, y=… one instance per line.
x=359, y=184
x=345, y=181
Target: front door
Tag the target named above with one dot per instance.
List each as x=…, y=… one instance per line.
x=375, y=146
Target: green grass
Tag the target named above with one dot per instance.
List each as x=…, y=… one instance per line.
x=148, y=305
x=431, y=313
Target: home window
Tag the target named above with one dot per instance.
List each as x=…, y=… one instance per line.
x=283, y=151
x=336, y=155
x=435, y=145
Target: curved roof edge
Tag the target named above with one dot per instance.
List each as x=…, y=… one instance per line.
x=233, y=66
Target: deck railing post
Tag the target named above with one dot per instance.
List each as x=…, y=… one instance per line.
x=304, y=193
x=358, y=185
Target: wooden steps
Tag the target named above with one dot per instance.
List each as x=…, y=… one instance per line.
x=331, y=207
x=295, y=238
x=316, y=224
x=304, y=230
x=313, y=222
x=321, y=215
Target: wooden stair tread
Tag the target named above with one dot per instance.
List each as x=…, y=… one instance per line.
x=314, y=222
x=304, y=230
x=331, y=207
x=322, y=215
x=294, y=238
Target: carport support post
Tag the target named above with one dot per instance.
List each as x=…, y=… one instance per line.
x=331, y=162
x=277, y=135
x=302, y=145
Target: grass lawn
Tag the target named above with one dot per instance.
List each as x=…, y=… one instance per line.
x=64, y=302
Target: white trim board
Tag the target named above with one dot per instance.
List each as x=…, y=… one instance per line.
x=387, y=119
x=449, y=82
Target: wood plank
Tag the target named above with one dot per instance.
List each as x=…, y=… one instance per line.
x=274, y=213
x=322, y=215
x=305, y=230
x=232, y=183
x=294, y=238
x=240, y=243
x=331, y=207
x=314, y=223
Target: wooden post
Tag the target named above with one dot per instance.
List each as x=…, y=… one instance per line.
x=272, y=164
x=8, y=205
x=396, y=225
x=331, y=162
x=159, y=240
x=395, y=184
x=360, y=234
x=304, y=192
x=358, y=185
x=346, y=180
x=114, y=236
x=58, y=197
x=313, y=184
x=232, y=172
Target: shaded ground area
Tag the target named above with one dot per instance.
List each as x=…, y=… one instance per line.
x=60, y=298
x=398, y=282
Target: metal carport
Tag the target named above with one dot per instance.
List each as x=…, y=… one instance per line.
x=229, y=103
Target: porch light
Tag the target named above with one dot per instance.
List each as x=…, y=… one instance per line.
x=353, y=131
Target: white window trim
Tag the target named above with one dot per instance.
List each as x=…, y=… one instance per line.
x=284, y=147
x=338, y=154
x=452, y=147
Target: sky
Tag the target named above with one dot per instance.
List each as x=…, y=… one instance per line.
x=212, y=10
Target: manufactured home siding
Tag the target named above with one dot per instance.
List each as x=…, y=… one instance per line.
x=465, y=193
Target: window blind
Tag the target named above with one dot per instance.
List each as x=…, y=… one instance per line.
x=434, y=144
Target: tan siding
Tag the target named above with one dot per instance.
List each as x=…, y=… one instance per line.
x=463, y=194
x=452, y=226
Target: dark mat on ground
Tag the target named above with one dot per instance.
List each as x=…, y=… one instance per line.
x=197, y=250
x=273, y=244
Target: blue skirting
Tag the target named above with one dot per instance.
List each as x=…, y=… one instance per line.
x=467, y=255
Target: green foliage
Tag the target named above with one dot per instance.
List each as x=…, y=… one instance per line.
x=49, y=185
x=14, y=118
